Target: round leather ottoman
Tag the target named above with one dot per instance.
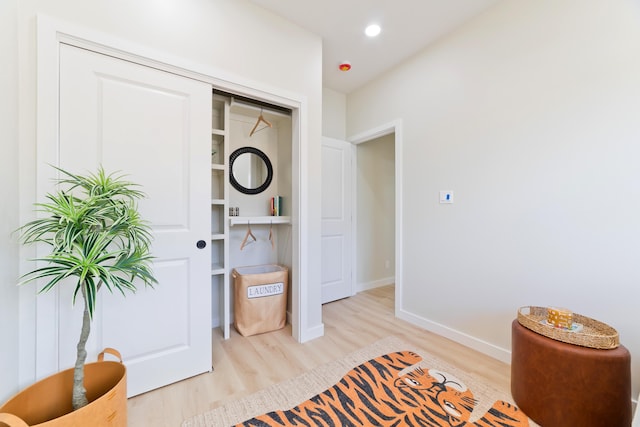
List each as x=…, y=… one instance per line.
x=564, y=385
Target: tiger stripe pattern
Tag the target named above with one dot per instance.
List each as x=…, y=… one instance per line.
x=375, y=394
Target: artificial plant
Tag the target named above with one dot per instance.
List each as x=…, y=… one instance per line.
x=97, y=238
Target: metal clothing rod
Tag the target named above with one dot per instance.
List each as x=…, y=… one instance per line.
x=254, y=102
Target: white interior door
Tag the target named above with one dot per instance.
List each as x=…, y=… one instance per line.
x=336, y=261
x=155, y=127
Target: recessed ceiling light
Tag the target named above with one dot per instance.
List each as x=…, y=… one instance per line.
x=372, y=30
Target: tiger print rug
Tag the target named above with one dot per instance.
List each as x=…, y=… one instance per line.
x=389, y=383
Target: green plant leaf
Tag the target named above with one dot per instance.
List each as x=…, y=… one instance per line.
x=95, y=234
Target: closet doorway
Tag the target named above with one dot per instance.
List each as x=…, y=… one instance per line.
x=56, y=121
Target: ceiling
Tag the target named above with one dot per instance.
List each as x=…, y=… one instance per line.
x=408, y=26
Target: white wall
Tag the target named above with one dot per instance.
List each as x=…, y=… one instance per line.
x=9, y=197
x=529, y=113
x=375, y=194
x=334, y=114
x=240, y=40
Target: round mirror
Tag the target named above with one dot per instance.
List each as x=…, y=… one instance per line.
x=250, y=171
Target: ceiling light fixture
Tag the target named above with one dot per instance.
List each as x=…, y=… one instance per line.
x=372, y=30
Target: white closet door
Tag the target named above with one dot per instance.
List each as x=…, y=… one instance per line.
x=336, y=261
x=155, y=127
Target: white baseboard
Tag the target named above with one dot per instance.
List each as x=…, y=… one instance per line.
x=484, y=347
x=364, y=286
x=312, y=333
x=215, y=322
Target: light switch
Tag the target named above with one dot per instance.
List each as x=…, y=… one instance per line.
x=446, y=196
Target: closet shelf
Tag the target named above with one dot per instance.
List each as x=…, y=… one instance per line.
x=217, y=132
x=217, y=201
x=217, y=269
x=217, y=166
x=254, y=220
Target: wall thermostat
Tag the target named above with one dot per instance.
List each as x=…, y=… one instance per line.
x=446, y=196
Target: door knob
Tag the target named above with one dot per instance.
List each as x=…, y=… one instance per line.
x=201, y=244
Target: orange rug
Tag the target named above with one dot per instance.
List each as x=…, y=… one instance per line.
x=388, y=383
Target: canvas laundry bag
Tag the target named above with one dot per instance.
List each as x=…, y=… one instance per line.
x=260, y=298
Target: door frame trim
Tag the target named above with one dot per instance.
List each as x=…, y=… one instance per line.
x=51, y=33
x=393, y=127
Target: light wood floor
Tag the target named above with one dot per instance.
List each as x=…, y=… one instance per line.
x=243, y=365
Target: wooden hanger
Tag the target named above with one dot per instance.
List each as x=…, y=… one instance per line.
x=246, y=237
x=260, y=119
x=271, y=238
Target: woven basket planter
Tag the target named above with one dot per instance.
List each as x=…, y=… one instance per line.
x=47, y=403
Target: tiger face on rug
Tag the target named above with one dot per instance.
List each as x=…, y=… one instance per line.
x=373, y=394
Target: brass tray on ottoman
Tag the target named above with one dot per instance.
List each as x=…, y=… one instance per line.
x=593, y=334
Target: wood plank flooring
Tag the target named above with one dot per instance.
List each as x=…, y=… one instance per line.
x=243, y=365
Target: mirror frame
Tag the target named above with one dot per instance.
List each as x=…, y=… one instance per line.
x=265, y=159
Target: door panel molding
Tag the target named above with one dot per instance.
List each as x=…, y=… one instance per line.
x=336, y=217
x=153, y=126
